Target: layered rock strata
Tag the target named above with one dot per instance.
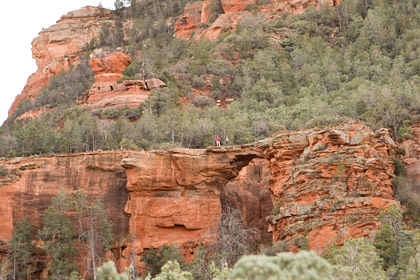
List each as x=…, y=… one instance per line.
x=328, y=184
x=317, y=186
x=107, y=91
x=161, y=197
x=57, y=47
x=175, y=195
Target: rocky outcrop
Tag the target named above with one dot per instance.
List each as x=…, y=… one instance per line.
x=190, y=20
x=196, y=15
x=249, y=192
x=111, y=67
x=31, y=114
x=57, y=47
x=162, y=197
x=175, y=195
x=328, y=184
x=223, y=24
x=107, y=91
x=317, y=186
x=232, y=6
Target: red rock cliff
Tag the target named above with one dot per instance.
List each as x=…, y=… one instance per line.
x=175, y=195
x=196, y=15
x=163, y=197
x=56, y=47
x=329, y=184
x=106, y=91
x=326, y=185
x=33, y=181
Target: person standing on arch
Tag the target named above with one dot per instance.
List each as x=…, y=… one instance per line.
x=218, y=141
x=226, y=140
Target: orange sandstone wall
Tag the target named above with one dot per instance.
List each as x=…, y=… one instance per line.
x=162, y=197
x=34, y=181
x=175, y=195
x=107, y=92
x=329, y=184
x=322, y=185
x=56, y=47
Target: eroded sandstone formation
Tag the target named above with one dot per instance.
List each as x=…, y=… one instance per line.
x=57, y=47
x=194, y=22
x=33, y=181
x=162, y=197
x=328, y=184
x=107, y=91
x=249, y=192
x=175, y=195
x=189, y=21
x=316, y=186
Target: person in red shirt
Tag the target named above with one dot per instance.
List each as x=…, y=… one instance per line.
x=218, y=141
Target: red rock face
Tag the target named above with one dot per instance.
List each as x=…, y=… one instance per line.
x=232, y=6
x=175, y=195
x=223, y=24
x=56, y=47
x=249, y=192
x=329, y=184
x=189, y=21
x=107, y=92
x=34, y=181
x=322, y=184
x=163, y=197
x=197, y=13
x=205, y=11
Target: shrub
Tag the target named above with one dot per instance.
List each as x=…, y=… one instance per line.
x=3, y=171
x=358, y=258
x=198, y=82
x=111, y=113
x=172, y=271
x=203, y=101
x=399, y=167
x=133, y=113
x=405, y=131
x=274, y=249
x=108, y=272
x=234, y=238
x=303, y=265
x=127, y=144
x=155, y=259
x=11, y=154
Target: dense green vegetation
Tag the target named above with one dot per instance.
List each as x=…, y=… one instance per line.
x=359, y=59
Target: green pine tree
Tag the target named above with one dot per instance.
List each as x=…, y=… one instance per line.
x=58, y=232
x=21, y=250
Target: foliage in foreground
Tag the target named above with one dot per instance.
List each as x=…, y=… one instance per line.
x=303, y=265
